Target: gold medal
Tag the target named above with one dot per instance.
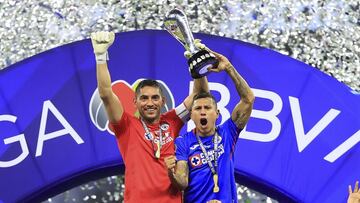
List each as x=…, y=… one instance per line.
x=149, y=136
x=157, y=153
x=216, y=187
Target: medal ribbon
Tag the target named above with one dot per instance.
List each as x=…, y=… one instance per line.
x=152, y=138
x=214, y=167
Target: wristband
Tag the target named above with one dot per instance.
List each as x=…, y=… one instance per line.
x=102, y=58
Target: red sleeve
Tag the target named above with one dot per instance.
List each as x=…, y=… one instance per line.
x=174, y=119
x=121, y=127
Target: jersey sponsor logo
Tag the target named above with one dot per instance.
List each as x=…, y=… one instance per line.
x=194, y=146
x=166, y=138
x=198, y=160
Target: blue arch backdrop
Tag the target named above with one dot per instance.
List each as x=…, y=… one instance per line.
x=301, y=143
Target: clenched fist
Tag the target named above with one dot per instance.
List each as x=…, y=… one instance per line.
x=101, y=41
x=170, y=162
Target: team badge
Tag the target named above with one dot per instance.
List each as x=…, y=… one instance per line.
x=164, y=126
x=195, y=160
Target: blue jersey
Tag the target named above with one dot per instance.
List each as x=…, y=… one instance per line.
x=200, y=188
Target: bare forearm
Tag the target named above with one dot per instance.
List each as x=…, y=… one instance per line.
x=111, y=102
x=103, y=80
x=242, y=110
x=200, y=85
x=241, y=85
x=180, y=181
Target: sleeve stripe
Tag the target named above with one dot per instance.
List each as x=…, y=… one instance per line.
x=182, y=112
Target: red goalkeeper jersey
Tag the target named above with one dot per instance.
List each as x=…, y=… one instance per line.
x=146, y=178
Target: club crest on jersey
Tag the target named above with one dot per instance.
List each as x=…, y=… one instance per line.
x=164, y=126
x=195, y=160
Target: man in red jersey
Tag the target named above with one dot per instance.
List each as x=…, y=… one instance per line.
x=145, y=141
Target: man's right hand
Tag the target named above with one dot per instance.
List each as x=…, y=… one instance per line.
x=170, y=162
x=224, y=63
x=354, y=196
x=101, y=41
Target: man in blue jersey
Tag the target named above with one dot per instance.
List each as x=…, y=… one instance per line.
x=204, y=162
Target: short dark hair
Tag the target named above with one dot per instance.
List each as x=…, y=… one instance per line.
x=148, y=82
x=202, y=95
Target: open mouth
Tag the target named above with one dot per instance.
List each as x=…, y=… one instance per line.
x=203, y=121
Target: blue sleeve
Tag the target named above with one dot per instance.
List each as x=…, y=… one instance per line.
x=181, y=151
x=231, y=130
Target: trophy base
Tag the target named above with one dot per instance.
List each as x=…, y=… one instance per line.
x=200, y=62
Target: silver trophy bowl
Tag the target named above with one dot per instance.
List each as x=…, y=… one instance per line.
x=177, y=25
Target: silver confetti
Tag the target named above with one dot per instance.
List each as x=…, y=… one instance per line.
x=321, y=33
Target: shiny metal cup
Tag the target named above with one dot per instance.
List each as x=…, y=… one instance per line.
x=177, y=25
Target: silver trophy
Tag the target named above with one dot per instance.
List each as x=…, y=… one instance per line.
x=177, y=25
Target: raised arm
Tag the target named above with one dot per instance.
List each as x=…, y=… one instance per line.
x=178, y=172
x=241, y=113
x=101, y=41
x=200, y=84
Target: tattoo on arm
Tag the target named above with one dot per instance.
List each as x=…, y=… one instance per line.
x=242, y=110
